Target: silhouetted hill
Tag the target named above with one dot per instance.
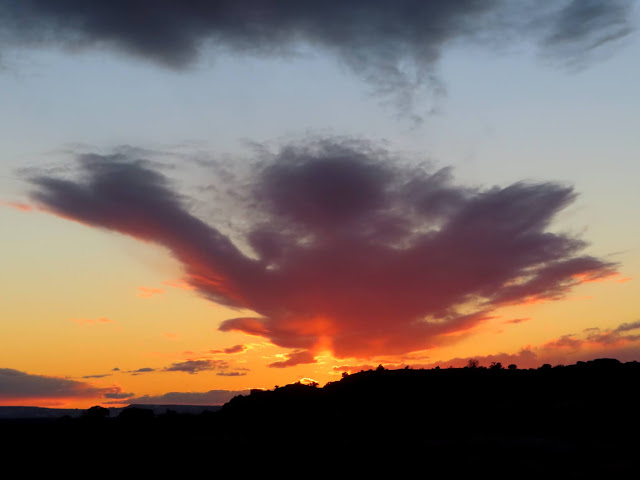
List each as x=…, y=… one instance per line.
x=573, y=420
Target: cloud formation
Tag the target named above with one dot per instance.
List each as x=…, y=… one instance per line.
x=597, y=338
x=230, y=350
x=142, y=370
x=148, y=292
x=92, y=321
x=295, y=358
x=347, y=248
x=212, y=397
x=17, y=386
x=392, y=45
x=590, y=344
x=195, y=366
x=118, y=395
x=23, y=207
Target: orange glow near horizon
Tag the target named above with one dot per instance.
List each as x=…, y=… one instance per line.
x=122, y=330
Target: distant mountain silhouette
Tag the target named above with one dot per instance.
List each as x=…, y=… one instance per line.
x=570, y=420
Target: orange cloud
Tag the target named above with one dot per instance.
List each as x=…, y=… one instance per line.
x=23, y=207
x=91, y=321
x=148, y=292
x=295, y=358
x=180, y=284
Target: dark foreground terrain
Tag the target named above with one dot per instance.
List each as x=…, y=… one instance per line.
x=576, y=421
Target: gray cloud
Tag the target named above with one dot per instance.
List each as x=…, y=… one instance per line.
x=625, y=327
x=212, y=397
x=582, y=26
x=118, y=395
x=393, y=45
x=21, y=385
x=195, y=366
x=352, y=249
x=144, y=370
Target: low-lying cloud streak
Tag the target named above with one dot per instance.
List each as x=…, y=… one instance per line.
x=352, y=251
x=17, y=386
x=212, y=397
x=393, y=45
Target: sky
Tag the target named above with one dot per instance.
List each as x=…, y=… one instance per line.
x=203, y=198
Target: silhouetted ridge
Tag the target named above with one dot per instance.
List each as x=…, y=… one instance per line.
x=577, y=418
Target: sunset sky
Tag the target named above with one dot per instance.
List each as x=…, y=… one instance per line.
x=201, y=198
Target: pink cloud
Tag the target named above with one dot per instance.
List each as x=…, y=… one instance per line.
x=23, y=207
x=353, y=251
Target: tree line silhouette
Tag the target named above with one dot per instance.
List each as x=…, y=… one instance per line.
x=576, y=419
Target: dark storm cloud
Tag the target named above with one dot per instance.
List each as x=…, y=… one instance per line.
x=21, y=385
x=352, y=250
x=393, y=45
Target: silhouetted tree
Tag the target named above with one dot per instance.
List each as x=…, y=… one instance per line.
x=97, y=412
x=513, y=366
x=473, y=363
x=495, y=366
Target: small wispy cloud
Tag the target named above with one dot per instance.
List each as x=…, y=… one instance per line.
x=92, y=321
x=23, y=207
x=148, y=292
